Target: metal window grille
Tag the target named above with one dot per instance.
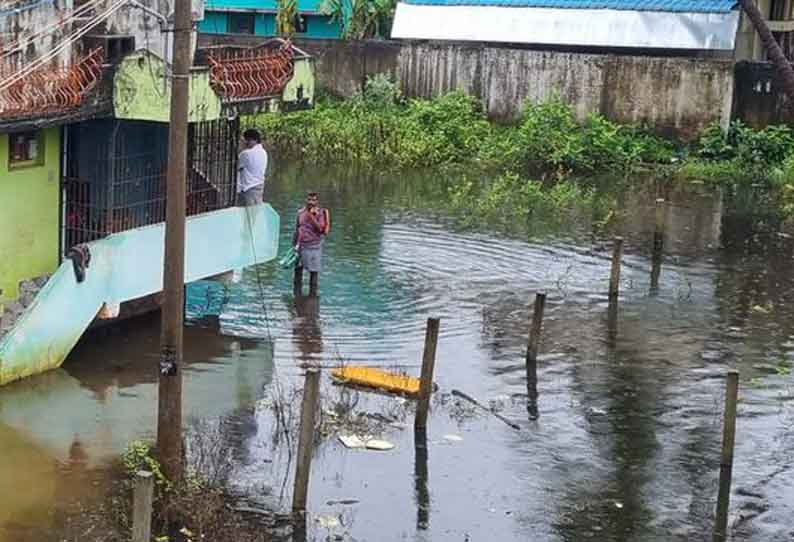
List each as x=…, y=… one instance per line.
x=120, y=185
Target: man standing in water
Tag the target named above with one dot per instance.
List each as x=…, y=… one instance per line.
x=311, y=227
x=251, y=169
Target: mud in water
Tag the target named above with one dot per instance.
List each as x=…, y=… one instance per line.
x=627, y=444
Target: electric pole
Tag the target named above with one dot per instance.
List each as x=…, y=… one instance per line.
x=169, y=407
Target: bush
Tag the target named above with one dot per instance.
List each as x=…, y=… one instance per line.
x=740, y=142
x=512, y=199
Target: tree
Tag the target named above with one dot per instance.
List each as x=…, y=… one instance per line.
x=361, y=19
x=772, y=48
x=286, y=16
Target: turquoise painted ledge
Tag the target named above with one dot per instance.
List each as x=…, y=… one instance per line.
x=127, y=266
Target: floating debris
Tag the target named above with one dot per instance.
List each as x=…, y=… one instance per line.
x=356, y=442
x=763, y=310
x=328, y=522
x=375, y=378
x=352, y=441
x=453, y=438
x=380, y=445
x=343, y=502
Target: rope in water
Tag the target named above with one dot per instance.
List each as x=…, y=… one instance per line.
x=258, y=277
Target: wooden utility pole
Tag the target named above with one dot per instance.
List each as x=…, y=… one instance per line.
x=169, y=412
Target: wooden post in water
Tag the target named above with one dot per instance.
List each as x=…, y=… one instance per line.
x=311, y=397
x=142, y=507
x=658, y=244
x=614, y=276
x=726, y=459
x=428, y=365
x=532, y=355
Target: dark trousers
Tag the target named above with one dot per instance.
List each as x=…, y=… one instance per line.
x=297, y=282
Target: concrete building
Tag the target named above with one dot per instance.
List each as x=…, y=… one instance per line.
x=258, y=18
x=84, y=109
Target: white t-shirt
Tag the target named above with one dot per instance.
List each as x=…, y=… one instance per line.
x=251, y=168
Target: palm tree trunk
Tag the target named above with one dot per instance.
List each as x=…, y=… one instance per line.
x=772, y=48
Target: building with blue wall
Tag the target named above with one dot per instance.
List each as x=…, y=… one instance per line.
x=258, y=17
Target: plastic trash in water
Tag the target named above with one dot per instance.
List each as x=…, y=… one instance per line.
x=352, y=441
x=375, y=378
x=356, y=442
x=328, y=522
x=379, y=445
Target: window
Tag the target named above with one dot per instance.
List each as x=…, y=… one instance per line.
x=301, y=24
x=25, y=149
x=241, y=23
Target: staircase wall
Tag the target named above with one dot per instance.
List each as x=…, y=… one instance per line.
x=126, y=266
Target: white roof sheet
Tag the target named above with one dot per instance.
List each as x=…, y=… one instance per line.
x=581, y=27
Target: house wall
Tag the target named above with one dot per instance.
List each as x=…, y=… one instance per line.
x=129, y=20
x=673, y=95
x=142, y=92
x=29, y=216
x=759, y=99
x=218, y=12
x=29, y=17
x=317, y=26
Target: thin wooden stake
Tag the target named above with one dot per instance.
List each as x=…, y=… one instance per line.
x=726, y=459
x=142, y=507
x=311, y=397
x=532, y=355
x=428, y=366
x=614, y=277
x=658, y=244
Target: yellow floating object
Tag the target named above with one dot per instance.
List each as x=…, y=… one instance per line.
x=375, y=378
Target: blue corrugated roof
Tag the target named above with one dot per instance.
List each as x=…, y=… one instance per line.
x=697, y=6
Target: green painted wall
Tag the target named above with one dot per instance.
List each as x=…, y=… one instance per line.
x=138, y=92
x=28, y=216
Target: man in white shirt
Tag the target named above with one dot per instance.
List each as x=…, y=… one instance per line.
x=251, y=169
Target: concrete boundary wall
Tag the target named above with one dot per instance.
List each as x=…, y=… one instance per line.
x=674, y=96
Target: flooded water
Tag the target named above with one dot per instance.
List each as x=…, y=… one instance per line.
x=626, y=447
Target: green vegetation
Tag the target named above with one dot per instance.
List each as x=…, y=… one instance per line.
x=286, y=15
x=194, y=507
x=361, y=19
x=546, y=163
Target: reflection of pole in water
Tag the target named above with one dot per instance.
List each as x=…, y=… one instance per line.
x=309, y=405
x=726, y=460
x=614, y=291
x=532, y=356
x=658, y=245
x=612, y=322
x=306, y=331
x=614, y=275
x=299, y=528
x=420, y=480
